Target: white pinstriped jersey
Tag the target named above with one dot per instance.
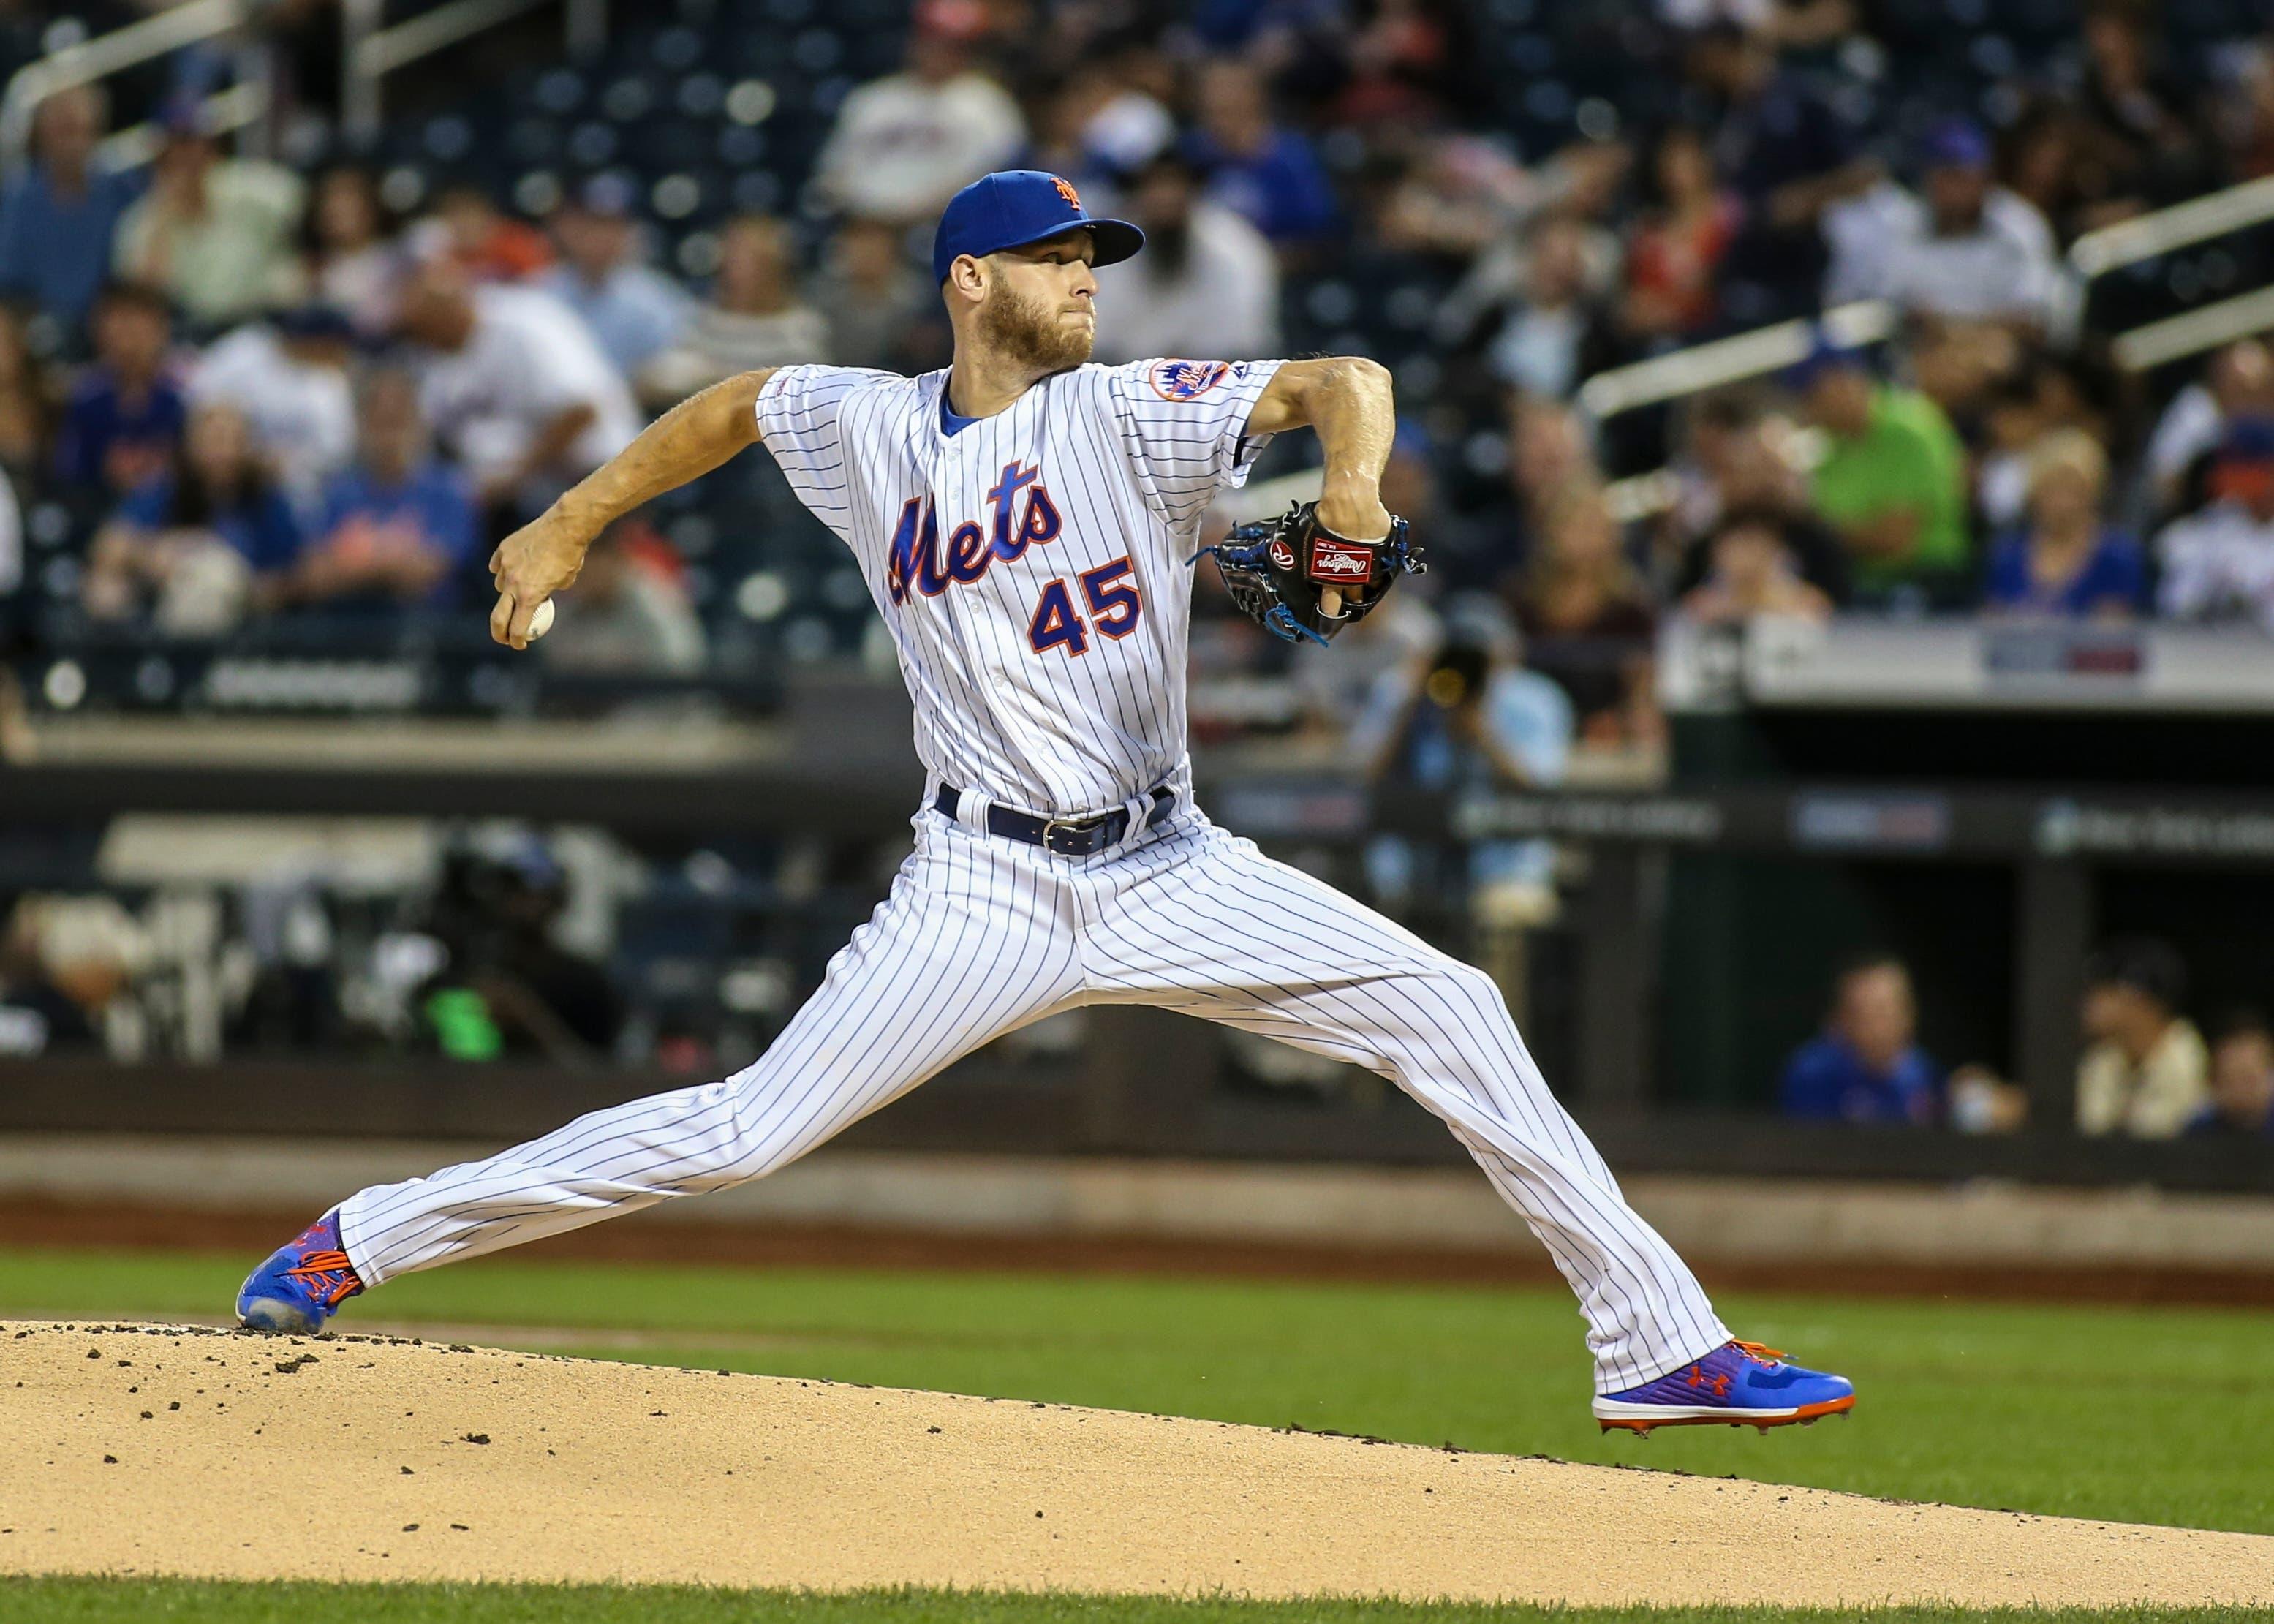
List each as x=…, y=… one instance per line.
x=1035, y=567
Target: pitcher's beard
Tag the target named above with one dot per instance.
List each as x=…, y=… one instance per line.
x=1031, y=335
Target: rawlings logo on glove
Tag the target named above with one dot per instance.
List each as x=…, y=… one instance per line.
x=1298, y=580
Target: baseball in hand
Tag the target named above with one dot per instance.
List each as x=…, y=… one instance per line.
x=541, y=622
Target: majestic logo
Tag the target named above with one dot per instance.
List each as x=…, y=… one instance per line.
x=1185, y=380
x=1067, y=191
x=915, y=558
x=1339, y=560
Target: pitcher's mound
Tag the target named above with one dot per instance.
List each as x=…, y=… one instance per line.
x=179, y=1450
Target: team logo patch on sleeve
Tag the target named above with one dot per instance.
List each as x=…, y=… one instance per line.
x=1185, y=380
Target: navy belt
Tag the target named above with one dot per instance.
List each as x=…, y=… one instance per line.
x=1068, y=836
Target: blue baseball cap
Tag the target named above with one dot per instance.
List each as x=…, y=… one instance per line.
x=1957, y=144
x=1825, y=355
x=1013, y=207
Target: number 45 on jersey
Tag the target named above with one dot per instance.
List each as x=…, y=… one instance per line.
x=1113, y=605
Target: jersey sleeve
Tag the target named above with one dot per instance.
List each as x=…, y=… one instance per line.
x=1184, y=425
x=802, y=414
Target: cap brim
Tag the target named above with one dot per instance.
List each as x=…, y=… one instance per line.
x=1116, y=239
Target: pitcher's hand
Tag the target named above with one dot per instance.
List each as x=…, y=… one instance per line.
x=530, y=566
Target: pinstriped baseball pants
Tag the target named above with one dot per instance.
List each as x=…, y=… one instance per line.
x=982, y=936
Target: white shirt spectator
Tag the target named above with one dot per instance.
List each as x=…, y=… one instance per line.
x=527, y=360
x=2004, y=269
x=2219, y=565
x=1863, y=231
x=1223, y=302
x=11, y=538
x=902, y=147
x=302, y=414
x=2191, y=426
x=1127, y=131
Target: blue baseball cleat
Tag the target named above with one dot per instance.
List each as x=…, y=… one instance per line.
x=302, y=1285
x=1738, y=1384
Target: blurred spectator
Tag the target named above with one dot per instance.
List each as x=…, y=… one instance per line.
x=2066, y=561
x=513, y=386
x=2241, y=1081
x=1453, y=193
x=288, y=377
x=904, y=143
x=868, y=293
x=1206, y=284
x=1463, y=716
x=1892, y=483
x=507, y=987
x=2218, y=564
x=1556, y=332
x=2146, y=1073
x=354, y=263
x=1789, y=155
x=1409, y=61
x=1259, y=171
x=2238, y=381
x=2247, y=113
x=59, y=213
x=201, y=548
x=1583, y=611
x=1734, y=463
x=1091, y=129
x=2013, y=420
x=467, y=230
x=216, y=233
x=1752, y=573
x=12, y=581
x=1678, y=243
x=67, y=965
x=754, y=317
x=26, y=402
x=1866, y=1066
x=1981, y=253
x=2141, y=145
x=397, y=529
x=629, y=611
x=123, y=421
x=633, y=310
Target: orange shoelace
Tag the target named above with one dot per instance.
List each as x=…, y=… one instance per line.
x=1757, y=1351
x=317, y=1265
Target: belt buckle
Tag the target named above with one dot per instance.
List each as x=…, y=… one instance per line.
x=1084, y=825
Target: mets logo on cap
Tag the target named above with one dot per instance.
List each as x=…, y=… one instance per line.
x=1067, y=191
x=1183, y=381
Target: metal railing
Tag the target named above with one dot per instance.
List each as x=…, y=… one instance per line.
x=238, y=107
x=371, y=52
x=2197, y=220
x=1731, y=360
x=94, y=60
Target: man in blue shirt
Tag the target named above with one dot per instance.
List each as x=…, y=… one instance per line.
x=59, y=215
x=2241, y=1082
x=1867, y=1066
x=123, y=424
x=1256, y=168
x=398, y=527
x=635, y=313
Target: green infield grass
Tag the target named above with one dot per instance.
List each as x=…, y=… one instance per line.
x=2141, y=1415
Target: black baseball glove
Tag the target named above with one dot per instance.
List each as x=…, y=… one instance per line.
x=1297, y=579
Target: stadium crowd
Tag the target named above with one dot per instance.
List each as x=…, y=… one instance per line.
x=238, y=388
x=239, y=391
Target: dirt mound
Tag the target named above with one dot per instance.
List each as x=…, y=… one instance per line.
x=181, y=1450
